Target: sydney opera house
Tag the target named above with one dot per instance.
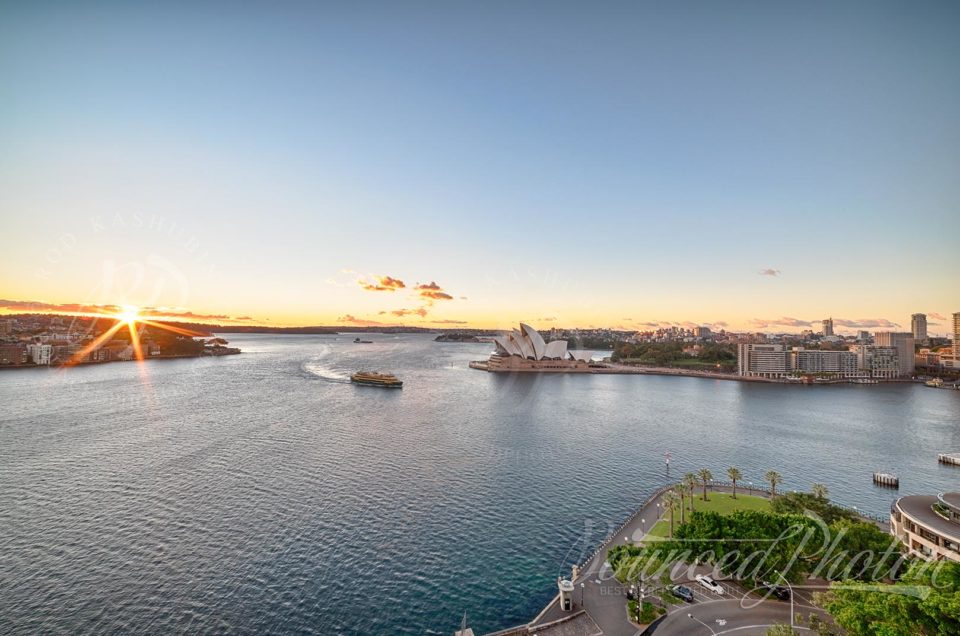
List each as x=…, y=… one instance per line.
x=525, y=350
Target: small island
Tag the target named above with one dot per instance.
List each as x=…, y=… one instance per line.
x=457, y=337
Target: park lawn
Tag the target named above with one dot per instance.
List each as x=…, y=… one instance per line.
x=720, y=502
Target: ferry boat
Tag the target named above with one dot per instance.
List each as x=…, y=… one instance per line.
x=935, y=383
x=371, y=378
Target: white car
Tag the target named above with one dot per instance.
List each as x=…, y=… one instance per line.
x=708, y=582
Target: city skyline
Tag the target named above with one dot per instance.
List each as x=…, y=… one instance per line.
x=622, y=169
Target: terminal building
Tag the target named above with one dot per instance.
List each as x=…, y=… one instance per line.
x=929, y=526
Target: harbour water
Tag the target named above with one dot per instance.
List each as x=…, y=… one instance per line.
x=263, y=493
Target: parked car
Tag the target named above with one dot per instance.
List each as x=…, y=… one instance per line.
x=682, y=591
x=708, y=582
x=775, y=590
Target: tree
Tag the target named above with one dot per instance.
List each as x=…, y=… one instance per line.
x=734, y=475
x=705, y=477
x=670, y=502
x=774, y=479
x=682, y=491
x=690, y=482
x=897, y=609
x=819, y=491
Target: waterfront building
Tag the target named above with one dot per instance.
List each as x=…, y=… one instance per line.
x=927, y=358
x=842, y=364
x=761, y=360
x=40, y=353
x=903, y=342
x=878, y=362
x=525, y=350
x=918, y=325
x=863, y=336
x=827, y=329
x=929, y=526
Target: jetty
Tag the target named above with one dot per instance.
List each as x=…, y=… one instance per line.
x=951, y=459
x=886, y=479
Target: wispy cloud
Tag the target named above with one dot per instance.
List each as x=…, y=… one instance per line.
x=432, y=291
x=769, y=272
x=784, y=321
x=361, y=322
x=381, y=283
x=419, y=311
x=937, y=316
x=865, y=323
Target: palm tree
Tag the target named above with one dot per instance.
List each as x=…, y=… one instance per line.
x=690, y=482
x=681, y=490
x=669, y=501
x=819, y=491
x=774, y=479
x=705, y=477
x=734, y=475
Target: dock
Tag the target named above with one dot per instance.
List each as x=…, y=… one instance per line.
x=951, y=459
x=886, y=479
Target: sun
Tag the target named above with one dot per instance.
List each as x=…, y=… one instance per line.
x=128, y=314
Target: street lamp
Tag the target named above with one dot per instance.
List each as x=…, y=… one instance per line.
x=582, y=585
x=643, y=528
x=702, y=623
x=790, y=588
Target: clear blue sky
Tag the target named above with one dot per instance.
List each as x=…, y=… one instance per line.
x=588, y=162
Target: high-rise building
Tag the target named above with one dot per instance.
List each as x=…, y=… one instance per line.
x=956, y=336
x=827, y=327
x=918, y=325
x=903, y=342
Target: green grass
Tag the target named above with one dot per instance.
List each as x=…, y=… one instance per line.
x=720, y=502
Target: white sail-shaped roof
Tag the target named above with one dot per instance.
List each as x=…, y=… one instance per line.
x=506, y=345
x=526, y=347
x=536, y=340
x=581, y=354
x=556, y=349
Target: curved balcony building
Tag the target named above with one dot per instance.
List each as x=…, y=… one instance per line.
x=929, y=526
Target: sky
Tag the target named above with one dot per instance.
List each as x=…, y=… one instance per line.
x=748, y=165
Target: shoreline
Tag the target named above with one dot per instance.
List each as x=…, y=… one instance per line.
x=620, y=369
x=11, y=367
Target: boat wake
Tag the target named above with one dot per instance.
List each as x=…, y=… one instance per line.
x=316, y=368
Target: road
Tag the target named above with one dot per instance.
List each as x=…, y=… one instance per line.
x=726, y=616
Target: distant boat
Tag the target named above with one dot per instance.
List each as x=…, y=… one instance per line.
x=370, y=378
x=359, y=341
x=935, y=383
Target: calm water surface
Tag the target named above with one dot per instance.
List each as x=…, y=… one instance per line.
x=263, y=493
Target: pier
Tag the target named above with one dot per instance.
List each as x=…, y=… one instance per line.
x=951, y=459
x=886, y=479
